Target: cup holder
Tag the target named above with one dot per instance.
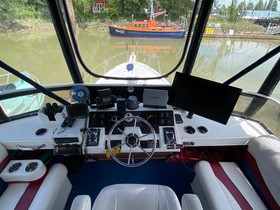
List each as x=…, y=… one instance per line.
x=202, y=129
x=189, y=129
x=14, y=167
x=31, y=166
x=192, y=130
x=23, y=170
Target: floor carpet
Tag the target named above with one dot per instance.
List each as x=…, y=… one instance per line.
x=93, y=176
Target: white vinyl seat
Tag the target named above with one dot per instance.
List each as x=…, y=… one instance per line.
x=136, y=197
x=51, y=193
x=229, y=188
x=191, y=202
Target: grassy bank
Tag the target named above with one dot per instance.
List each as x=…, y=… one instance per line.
x=221, y=29
x=42, y=26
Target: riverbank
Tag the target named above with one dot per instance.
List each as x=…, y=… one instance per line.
x=243, y=36
x=41, y=26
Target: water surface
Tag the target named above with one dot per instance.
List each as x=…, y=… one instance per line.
x=218, y=59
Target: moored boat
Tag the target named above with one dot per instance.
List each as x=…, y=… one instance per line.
x=23, y=104
x=150, y=28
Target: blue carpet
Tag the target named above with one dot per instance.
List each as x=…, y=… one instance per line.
x=93, y=176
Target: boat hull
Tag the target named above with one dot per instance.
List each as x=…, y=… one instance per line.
x=176, y=34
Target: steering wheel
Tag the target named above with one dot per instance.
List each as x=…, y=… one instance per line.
x=130, y=139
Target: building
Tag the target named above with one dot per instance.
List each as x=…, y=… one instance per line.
x=259, y=14
x=100, y=5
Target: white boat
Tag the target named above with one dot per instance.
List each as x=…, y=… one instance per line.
x=132, y=69
x=19, y=105
x=124, y=146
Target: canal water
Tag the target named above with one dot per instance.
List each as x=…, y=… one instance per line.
x=218, y=58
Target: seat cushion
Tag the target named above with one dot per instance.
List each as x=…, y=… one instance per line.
x=261, y=165
x=49, y=193
x=136, y=197
x=215, y=194
x=81, y=202
x=191, y=202
x=9, y=199
x=266, y=152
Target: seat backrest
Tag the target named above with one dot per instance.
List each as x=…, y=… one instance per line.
x=3, y=162
x=266, y=152
x=136, y=197
x=3, y=153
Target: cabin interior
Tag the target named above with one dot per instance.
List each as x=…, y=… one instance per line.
x=193, y=144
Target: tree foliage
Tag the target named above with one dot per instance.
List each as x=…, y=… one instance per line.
x=233, y=11
x=176, y=8
x=274, y=5
x=127, y=8
x=260, y=5
x=21, y=9
x=82, y=9
x=250, y=6
x=11, y=10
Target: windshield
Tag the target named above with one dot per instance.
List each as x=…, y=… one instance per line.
x=127, y=40
x=108, y=33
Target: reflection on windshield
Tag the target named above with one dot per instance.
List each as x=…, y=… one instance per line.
x=19, y=105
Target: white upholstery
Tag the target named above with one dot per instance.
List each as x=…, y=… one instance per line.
x=266, y=151
x=52, y=194
x=81, y=202
x=214, y=195
x=136, y=197
x=54, y=190
x=190, y=202
x=3, y=153
x=11, y=196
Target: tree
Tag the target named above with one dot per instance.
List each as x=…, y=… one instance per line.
x=176, y=8
x=274, y=5
x=122, y=8
x=250, y=6
x=241, y=6
x=216, y=3
x=269, y=5
x=233, y=11
x=80, y=8
x=16, y=9
x=223, y=10
x=114, y=10
x=260, y=5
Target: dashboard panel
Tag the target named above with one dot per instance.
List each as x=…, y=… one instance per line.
x=107, y=118
x=88, y=135
x=100, y=123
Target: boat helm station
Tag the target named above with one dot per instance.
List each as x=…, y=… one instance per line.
x=131, y=127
